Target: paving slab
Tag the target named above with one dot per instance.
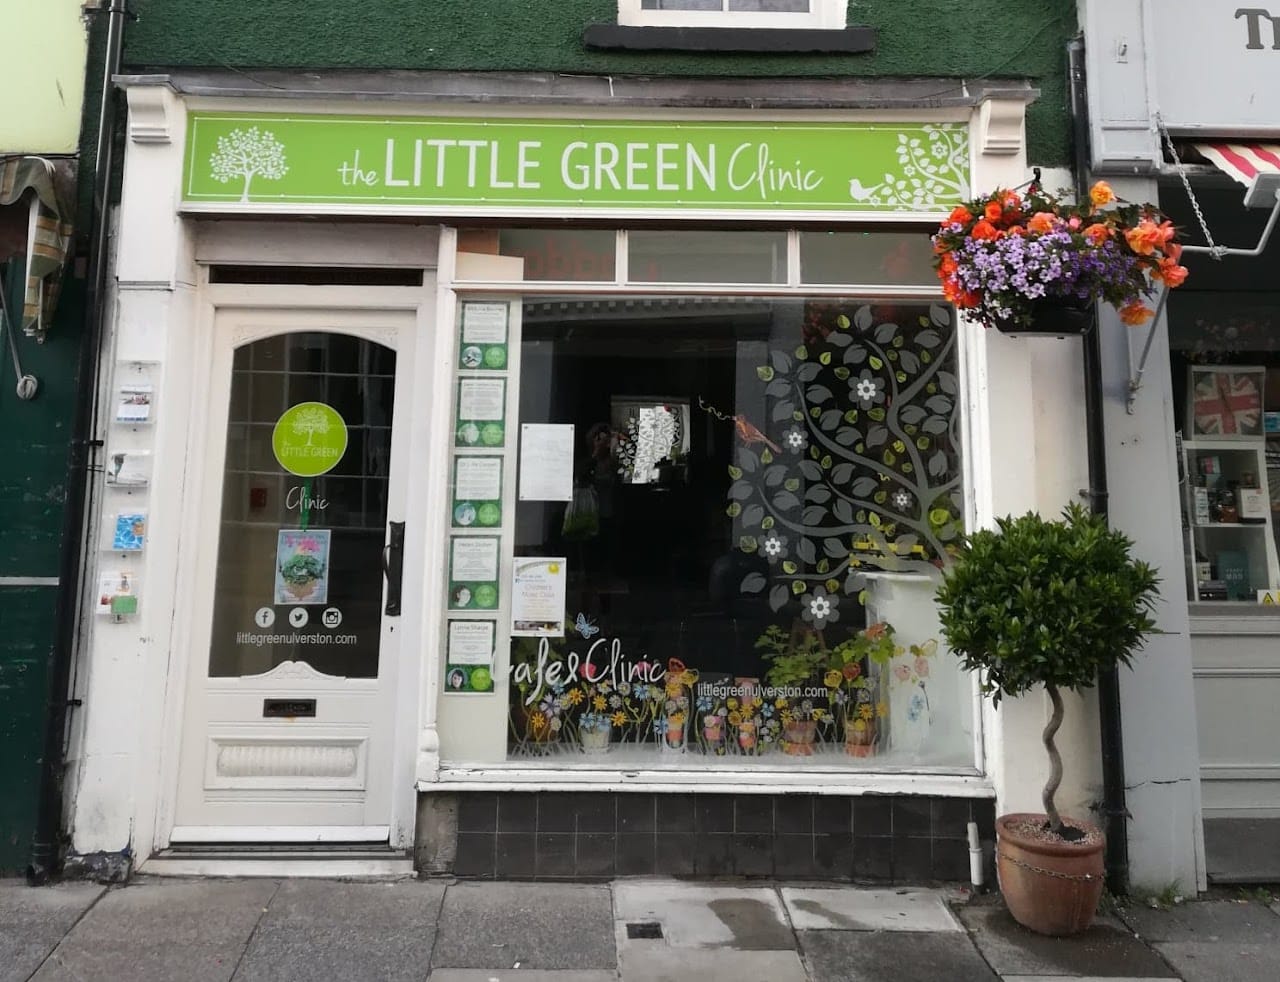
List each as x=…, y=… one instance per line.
x=653, y=961
x=337, y=930
x=1070, y=978
x=558, y=926
x=700, y=916
x=1205, y=920
x=518, y=975
x=850, y=909
x=892, y=956
x=162, y=930
x=34, y=919
x=1222, y=961
x=1106, y=950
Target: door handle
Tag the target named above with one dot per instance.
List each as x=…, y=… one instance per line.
x=393, y=566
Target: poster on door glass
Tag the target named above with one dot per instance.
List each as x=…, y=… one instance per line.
x=302, y=566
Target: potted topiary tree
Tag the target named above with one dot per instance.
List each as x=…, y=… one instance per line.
x=1050, y=603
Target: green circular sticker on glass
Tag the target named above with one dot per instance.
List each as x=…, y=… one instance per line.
x=489, y=513
x=486, y=596
x=481, y=679
x=491, y=434
x=495, y=357
x=309, y=439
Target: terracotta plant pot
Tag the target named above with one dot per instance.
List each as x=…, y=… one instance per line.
x=713, y=729
x=747, y=736
x=798, y=736
x=1049, y=885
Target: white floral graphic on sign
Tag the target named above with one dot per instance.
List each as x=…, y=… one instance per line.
x=309, y=422
x=934, y=167
x=246, y=154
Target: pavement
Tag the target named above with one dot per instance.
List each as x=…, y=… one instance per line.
x=637, y=930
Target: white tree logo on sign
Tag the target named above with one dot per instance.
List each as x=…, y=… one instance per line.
x=246, y=154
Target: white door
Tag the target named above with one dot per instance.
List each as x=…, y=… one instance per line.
x=289, y=722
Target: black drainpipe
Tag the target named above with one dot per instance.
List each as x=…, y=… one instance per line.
x=46, y=853
x=1113, y=808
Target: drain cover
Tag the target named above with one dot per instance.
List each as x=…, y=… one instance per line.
x=644, y=929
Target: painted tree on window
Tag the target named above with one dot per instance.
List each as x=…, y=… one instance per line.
x=867, y=474
x=310, y=422
x=246, y=154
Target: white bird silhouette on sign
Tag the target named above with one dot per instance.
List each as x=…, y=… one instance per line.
x=858, y=193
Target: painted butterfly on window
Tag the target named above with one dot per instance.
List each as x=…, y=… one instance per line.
x=585, y=627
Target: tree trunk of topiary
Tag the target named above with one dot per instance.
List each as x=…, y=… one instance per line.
x=1055, y=761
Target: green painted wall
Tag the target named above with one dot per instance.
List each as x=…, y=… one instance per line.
x=34, y=440
x=949, y=38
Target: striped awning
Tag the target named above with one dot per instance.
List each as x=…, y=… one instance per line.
x=1242, y=161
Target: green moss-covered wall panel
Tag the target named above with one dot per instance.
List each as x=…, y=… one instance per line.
x=919, y=38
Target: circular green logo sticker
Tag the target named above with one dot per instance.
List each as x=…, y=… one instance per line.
x=491, y=434
x=486, y=596
x=489, y=513
x=495, y=357
x=309, y=439
x=481, y=679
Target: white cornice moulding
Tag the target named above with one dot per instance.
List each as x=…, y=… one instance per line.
x=152, y=110
x=1001, y=127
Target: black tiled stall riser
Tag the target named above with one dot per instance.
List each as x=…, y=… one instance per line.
x=588, y=835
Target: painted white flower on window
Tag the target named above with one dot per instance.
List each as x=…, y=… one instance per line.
x=819, y=608
x=868, y=389
x=795, y=439
x=774, y=547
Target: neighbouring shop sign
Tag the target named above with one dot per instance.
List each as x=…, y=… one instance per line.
x=508, y=165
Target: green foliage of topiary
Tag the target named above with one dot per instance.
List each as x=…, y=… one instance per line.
x=1036, y=602
x=1046, y=602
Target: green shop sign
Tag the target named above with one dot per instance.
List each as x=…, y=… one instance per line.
x=506, y=165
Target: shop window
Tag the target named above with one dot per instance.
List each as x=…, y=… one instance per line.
x=893, y=258
x=733, y=13
x=707, y=257
x=1224, y=339
x=760, y=493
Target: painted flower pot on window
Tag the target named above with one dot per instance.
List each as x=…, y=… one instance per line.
x=594, y=731
x=860, y=738
x=747, y=735
x=713, y=728
x=798, y=736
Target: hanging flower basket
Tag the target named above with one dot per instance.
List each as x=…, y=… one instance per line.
x=1035, y=265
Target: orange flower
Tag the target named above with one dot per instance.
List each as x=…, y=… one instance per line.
x=1136, y=313
x=1041, y=222
x=1168, y=271
x=1144, y=237
x=1097, y=233
x=1166, y=232
x=984, y=230
x=1011, y=201
x=948, y=265
x=1173, y=251
x=960, y=214
x=1101, y=194
x=993, y=212
x=876, y=631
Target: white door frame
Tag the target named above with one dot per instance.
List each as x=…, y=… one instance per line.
x=193, y=501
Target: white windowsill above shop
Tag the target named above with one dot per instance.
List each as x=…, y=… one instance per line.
x=843, y=781
x=1228, y=618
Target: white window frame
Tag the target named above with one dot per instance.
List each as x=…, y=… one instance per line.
x=822, y=14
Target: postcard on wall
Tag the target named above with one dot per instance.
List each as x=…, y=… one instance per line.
x=130, y=532
x=477, y=492
x=302, y=566
x=129, y=468
x=117, y=593
x=546, y=462
x=469, y=659
x=537, y=597
x=482, y=405
x=484, y=336
x=134, y=403
x=473, y=573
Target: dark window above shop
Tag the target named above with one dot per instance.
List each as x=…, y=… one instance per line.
x=778, y=26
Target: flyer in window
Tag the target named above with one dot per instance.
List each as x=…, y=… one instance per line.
x=302, y=566
x=537, y=597
x=473, y=573
x=484, y=335
x=469, y=659
x=546, y=462
x=482, y=404
x=477, y=492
